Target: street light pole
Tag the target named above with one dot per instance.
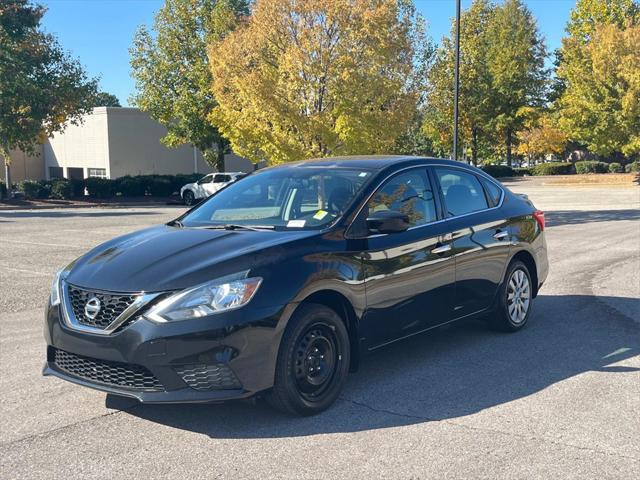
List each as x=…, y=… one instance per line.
x=457, y=84
x=195, y=159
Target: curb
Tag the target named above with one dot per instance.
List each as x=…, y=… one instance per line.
x=8, y=207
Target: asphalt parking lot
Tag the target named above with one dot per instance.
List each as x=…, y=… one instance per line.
x=561, y=399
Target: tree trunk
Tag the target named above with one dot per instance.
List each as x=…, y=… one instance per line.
x=220, y=156
x=509, y=140
x=474, y=147
x=4, y=152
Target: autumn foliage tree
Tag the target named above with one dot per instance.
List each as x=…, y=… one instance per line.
x=171, y=69
x=315, y=78
x=600, y=65
x=476, y=100
x=540, y=138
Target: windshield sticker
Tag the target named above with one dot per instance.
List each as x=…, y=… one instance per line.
x=320, y=214
x=296, y=223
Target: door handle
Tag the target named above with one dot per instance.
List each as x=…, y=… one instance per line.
x=441, y=249
x=501, y=235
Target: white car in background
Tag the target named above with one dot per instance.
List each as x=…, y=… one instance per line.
x=207, y=185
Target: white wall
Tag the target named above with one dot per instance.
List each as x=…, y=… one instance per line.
x=135, y=147
x=25, y=166
x=234, y=163
x=125, y=141
x=85, y=145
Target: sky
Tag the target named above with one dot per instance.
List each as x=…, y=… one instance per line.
x=99, y=32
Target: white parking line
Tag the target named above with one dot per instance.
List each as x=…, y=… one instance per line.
x=32, y=272
x=22, y=242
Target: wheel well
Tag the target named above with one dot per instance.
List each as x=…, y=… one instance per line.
x=526, y=258
x=344, y=309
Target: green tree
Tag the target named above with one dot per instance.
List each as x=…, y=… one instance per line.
x=598, y=65
x=515, y=61
x=316, y=78
x=172, y=73
x=104, y=99
x=588, y=14
x=600, y=106
x=476, y=99
x=41, y=88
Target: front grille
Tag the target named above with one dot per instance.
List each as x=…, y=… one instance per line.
x=115, y=374
x=208, y=377
x=111, y=306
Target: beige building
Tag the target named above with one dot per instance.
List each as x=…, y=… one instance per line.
x=112, y=142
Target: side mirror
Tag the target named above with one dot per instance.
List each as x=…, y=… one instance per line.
x=388, y=221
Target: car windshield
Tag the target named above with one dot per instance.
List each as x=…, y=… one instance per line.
x=282, y=198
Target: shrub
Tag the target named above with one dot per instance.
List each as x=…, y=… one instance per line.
x=553, y=168
x=591, y=167
x=498, y=171
x=522, y=171
x=3, y=189
x=78, y=187
x=632, y=167
x=61, y=189
x=100, y=187
x=615, y=167
x=160, y=186
x=130, y=186
x=33, y=189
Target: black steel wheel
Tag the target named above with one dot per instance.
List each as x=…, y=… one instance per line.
x=313, y=361
x=188, y=197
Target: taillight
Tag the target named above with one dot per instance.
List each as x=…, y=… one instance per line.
x=539, y=216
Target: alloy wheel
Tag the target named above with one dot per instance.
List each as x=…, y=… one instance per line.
x=518, y=296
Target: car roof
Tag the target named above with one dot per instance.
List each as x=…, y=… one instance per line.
x=369, y=162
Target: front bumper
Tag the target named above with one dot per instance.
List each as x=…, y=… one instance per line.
x=242, y=344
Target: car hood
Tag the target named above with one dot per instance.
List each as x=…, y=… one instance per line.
x=169, y=258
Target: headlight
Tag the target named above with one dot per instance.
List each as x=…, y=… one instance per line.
x=221, y=295
x=55, y=297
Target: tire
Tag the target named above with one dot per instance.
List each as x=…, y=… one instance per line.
x=315, y=339
x=188, y=197
x=515, y=299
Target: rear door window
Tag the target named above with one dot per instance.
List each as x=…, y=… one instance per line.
x=494, y=193
x=408, y=192
x=462, y=191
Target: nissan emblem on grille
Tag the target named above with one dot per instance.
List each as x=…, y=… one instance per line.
x=92, y=308
x=97, y=310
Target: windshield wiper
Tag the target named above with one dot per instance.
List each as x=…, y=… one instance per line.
x=233, y=226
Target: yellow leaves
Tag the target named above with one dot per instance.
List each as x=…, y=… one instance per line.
x=600, y=106
x=541, y=138
x=314, y=78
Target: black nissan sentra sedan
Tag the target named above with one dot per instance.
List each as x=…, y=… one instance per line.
x=281, y=282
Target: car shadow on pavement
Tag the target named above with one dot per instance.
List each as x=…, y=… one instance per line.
x=451, y=372
x=576, y=217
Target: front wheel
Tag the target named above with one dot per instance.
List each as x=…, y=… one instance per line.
x=513, y=305
x=189, y=198
x=313, y=362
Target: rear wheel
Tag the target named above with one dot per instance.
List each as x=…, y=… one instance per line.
x=313, y=362
x=515, y=297
x=188, y=197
